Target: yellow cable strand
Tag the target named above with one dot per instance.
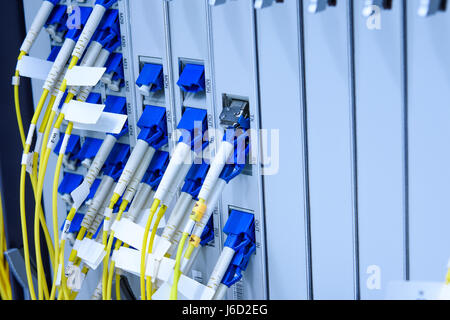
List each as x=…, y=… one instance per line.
x=153, y=209
x=177, y=272
x=159, y=216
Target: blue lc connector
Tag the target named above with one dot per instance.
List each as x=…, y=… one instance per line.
x=153, y=124
x=68, y=184
x=106, y=3
x=114, y=75
x=240, y=229
x=193, y=126
x=151, y=79
x=208, y=233
x=194, y=179
x=192, y=78
x=116, y=161
x=88, y=151
x=118, y=105
x=109, y=30
x=56, y=23
x=54, y=53
x=156, y=169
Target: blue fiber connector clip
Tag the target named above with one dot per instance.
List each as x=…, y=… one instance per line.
x=156, y=169
x=89, y=149
x=193, y=126
x=113, y=65
x=69, y=183
x=56, y=24
x=235, y=166
x=106, y=3
x=109, y=29
x=195, y=178
x=240, y=229
x=151, y=78
x=153, y=124
x=192, y=78
x=54, y=53
x=118, y=105
x=208, y=233
x=94, y=98
x=54, y=2
x=115, y=163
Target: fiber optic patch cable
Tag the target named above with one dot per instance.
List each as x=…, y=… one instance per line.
x=38, y=23
x=53, y=76
x=236, y=253
x=153, y=136
x=236, y=119
x=113, y=105
x=189, y=192
x=149, y=183
x=193, y=126
x=93, y=220
x=86, y=35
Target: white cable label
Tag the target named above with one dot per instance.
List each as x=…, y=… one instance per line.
x=80, y=194
x=75, y=277
x=34, y=68
x=15, y=81
x=40, y=137
x=107, y=123
x=30, y=134
x=83, y=112
x=65, y=232
x=53, y=139
x=84, y=76
x=91, y=252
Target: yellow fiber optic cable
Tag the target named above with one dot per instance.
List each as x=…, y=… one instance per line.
x=153, y=209
x=159, y=216
x=108, y=249
x=177, y=271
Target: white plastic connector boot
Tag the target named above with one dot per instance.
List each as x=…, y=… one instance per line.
x=144, y=90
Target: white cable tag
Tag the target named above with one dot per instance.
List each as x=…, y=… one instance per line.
x=34, y=68
x=83, y=112
x=91, y=252
x=53, y=139
x=129, y=232
x=40, y=137
x=129, y=260
x=58, y=276
x=194, y=290
x=108, y=217
x=75, y=277
x=108, y=123
x=30, y=134
x=27, y=160
x=15, y=81
x=65, y=232
x=80, y=194
x=84, y=76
